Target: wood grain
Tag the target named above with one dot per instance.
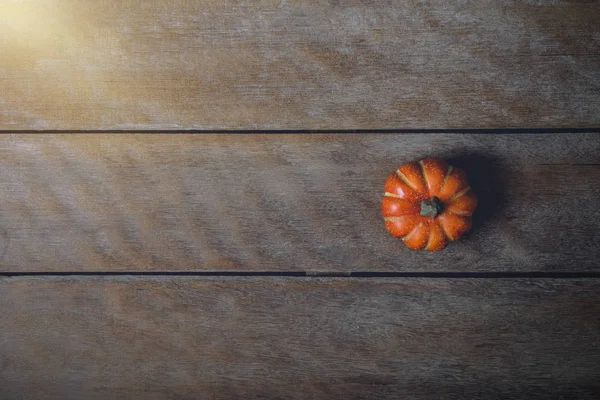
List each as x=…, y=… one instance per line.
x=293, y=64
x=299, y=339
x=287, y=202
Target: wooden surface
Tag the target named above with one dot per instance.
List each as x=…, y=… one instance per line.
x=291, y=64
x=299, y=338
x=287, y=202
x=107, y=204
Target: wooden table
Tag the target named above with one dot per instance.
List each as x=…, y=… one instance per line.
x=191, y=198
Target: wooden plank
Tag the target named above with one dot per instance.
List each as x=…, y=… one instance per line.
x=299, y=338
x=291, y=64
x=286, y=202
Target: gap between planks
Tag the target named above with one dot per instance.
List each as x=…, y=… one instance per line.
x=491, y=131
x=313, y=274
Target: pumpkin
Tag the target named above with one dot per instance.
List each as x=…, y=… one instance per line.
x=428, y=204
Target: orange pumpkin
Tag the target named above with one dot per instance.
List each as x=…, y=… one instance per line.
x=427, y=204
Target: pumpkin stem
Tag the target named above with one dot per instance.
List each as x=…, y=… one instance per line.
x=431, y=207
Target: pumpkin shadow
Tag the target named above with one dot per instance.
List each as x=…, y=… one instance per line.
x=485, y=175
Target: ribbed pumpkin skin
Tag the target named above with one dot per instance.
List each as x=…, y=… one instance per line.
x=416, y=181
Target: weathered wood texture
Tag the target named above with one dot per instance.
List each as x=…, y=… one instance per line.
x=287, y=64
x=299, y=339
x=287, y=202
